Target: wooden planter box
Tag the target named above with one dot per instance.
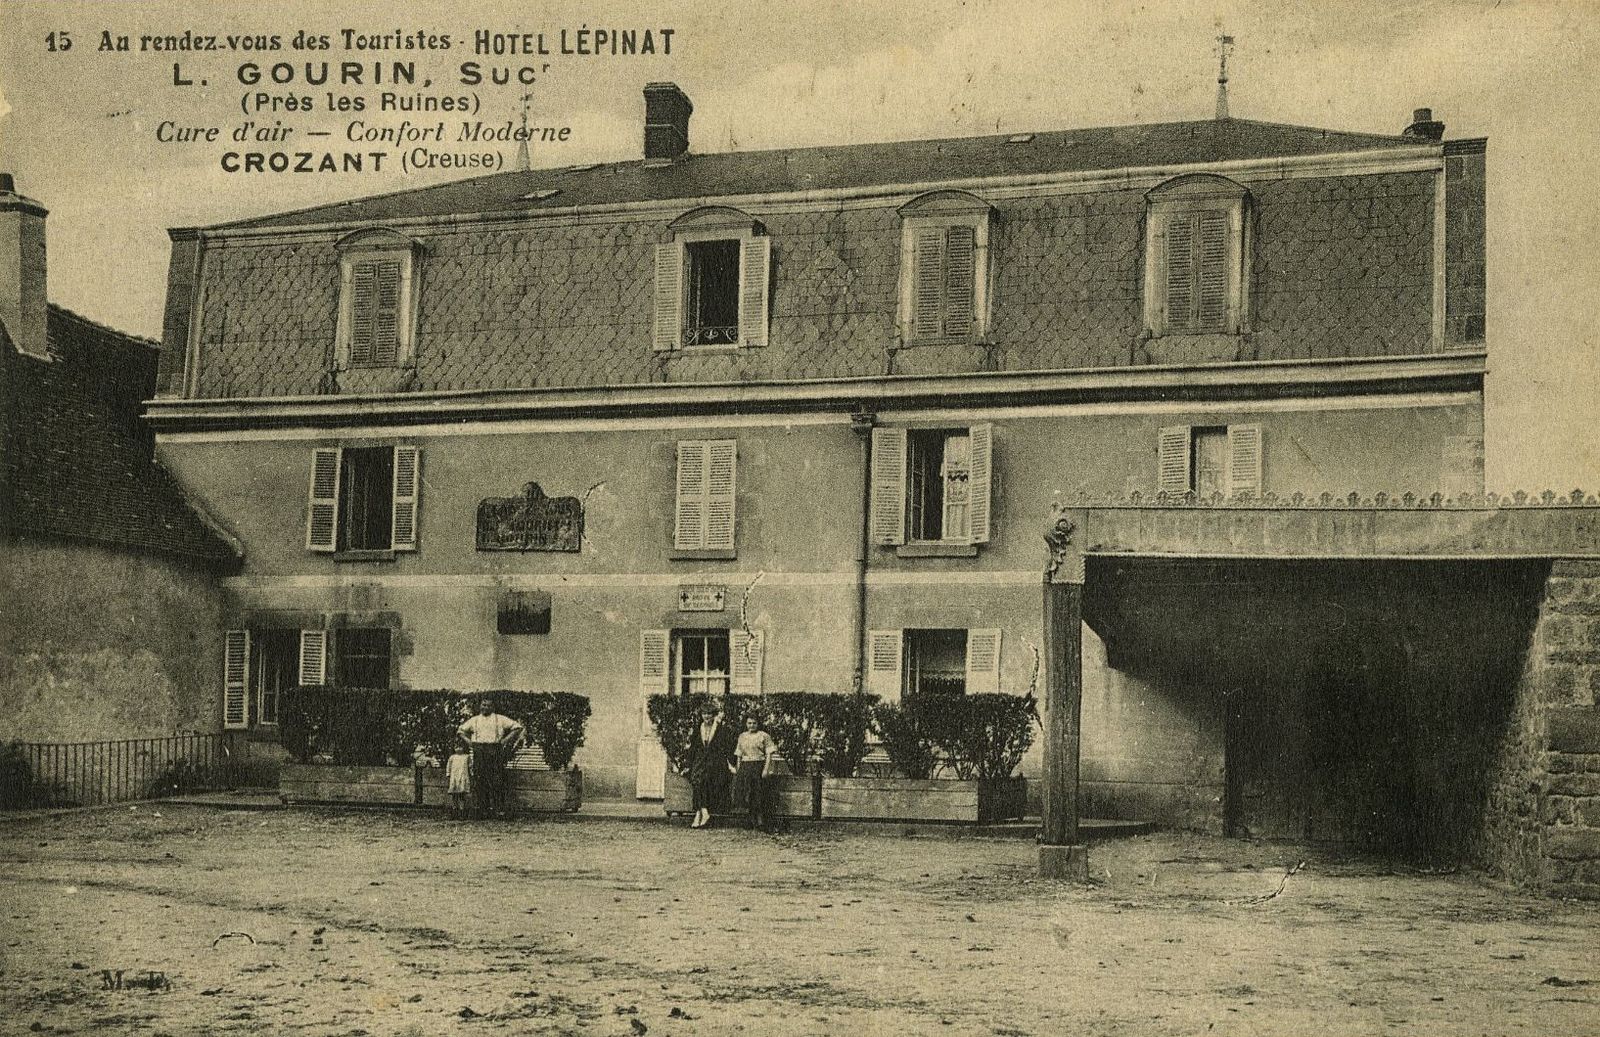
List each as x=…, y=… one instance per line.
x=537, y=791
x=793, y=795
x=936, y=799
x=341, y=783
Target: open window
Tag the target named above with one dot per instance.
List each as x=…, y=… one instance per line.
x=1208, y=460
x=701, y=661
x=932, y=486
x=932, y=662
x=1197, y=257
x=260, y=665
x=363, y=499
x=711, y=286
x=944, y=268
x=377, y=306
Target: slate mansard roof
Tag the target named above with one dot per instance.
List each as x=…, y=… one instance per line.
x=78, y=462
x=844, y=167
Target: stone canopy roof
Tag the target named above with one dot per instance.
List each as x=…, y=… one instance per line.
x=730, y=174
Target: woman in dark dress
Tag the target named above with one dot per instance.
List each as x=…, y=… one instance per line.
x=710, y=764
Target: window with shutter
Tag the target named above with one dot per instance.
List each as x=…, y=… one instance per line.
x=1197, y=261
x=712, y=282
x=1173, y=460
x=707, y=495
x=944, y=278
x=949, y=483
x=888, y=470
x=274, y=669
x=983, y=661
x=944, y=275
x=884, y=668
x=235, y=675
x=364, y=499
x=1244, y=460
x=653, y=666
x=313, y=657
x=375, y=326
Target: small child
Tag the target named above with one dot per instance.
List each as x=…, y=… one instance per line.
x=458, y=775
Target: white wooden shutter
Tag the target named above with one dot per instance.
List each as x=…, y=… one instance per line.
x=981, y=476
x=386, y=314
x=313, y=657
x=960, y=284
x=1211, y=281
x=407, y=487
x=1173, y=452
x=888, y=486
x=668, y=319
x=755, y=257
x=322, y=512
x=722, y=466
x=363, y=311
x=983, y=661
x=1244, y=460
x=927, y=283
x=235, y=679
x=654, y=671
x=689, y=527
x=1180, y=272
x=747, y=649
x=655, y=678
x=885, y=650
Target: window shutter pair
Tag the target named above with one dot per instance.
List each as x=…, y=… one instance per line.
x=943, y=282
x=1175, y=454
x=888, y=470
x=236, y=671
x=322, y=512
x=746, y=650
x=375, y=312
x=707, y=495
x=755, y=264
x=1197, y=272
x=886, y=662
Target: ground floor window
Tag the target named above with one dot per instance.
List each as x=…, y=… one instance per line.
x=274, y=669
x=700, y=662
x=362, y=656
x=936, y=662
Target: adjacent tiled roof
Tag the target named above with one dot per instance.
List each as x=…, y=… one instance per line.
x=77, y=461
x=849, y=166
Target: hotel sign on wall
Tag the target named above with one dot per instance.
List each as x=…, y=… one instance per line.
x=530, y=522
x=701, y=597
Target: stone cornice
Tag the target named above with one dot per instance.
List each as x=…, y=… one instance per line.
x=1203, y=383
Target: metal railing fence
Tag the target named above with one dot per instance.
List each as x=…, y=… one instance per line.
x=56, y=774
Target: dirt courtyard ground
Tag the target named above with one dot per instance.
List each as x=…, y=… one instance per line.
x=383, y=924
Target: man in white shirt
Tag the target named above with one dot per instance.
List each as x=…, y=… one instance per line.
x=493, y=738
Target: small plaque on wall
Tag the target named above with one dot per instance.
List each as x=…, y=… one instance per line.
x=523, y=612
x=702, y=597
x=530, y=522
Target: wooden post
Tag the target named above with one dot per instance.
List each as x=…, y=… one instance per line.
x=1061, y=854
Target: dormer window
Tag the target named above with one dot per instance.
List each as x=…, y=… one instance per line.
x=376, y=299
x=712, y=282
x=944, y=268
x=1196, y=257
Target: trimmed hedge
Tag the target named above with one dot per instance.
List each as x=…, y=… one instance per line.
x=978, y=736
x=382, y=727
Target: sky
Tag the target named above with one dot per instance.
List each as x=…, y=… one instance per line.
x=78, y=127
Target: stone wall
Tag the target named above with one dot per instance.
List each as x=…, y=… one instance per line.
x=1543, y=824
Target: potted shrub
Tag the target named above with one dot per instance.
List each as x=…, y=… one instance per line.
x=980, y=739
x=385, y=747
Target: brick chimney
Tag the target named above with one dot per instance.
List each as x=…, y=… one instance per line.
x=1423, y=126
x=666, y=123
x=22, y=269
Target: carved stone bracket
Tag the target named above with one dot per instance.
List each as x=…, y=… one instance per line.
x=1065, y=564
